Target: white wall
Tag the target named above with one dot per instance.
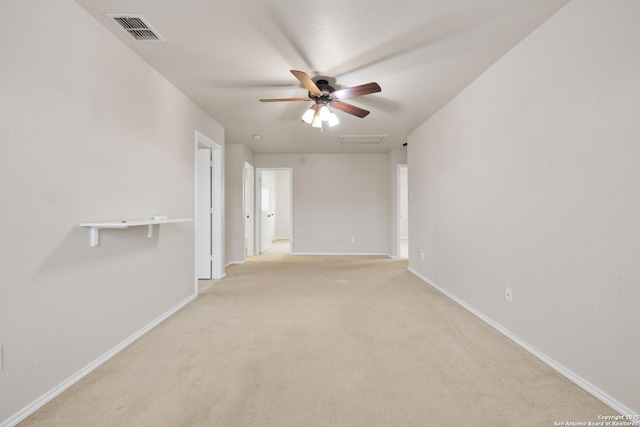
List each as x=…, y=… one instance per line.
x=529, y=179
x=88, y=132
x=283, y=204
x=235, y=157
x=335, y=197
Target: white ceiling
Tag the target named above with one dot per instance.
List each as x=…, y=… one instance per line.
x=225, y=55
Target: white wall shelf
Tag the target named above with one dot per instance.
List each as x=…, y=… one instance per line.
x=96, y=226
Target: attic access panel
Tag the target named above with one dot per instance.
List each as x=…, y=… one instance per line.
x=363, y=139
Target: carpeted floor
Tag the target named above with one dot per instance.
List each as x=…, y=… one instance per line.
x=321, y=341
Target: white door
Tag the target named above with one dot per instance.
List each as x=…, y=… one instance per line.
x=283, y=205
x=203, y=214
x=403, y=212
x=248, y=210
x=267, y=209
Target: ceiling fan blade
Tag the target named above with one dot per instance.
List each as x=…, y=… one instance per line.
x=307, y=82
x=284, y=99
x=253, y=84
x=433, y=31
x=351, y=92
x=276, y=28
x=348, y=108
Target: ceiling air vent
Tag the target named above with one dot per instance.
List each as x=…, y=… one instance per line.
x=362, y=139
x=136, y=26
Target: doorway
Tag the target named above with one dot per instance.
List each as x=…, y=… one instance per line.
x=403, y=212
x=248, y=192
x=273, y=211
x=208, y=209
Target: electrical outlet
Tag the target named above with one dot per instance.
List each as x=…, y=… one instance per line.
x=508, y=294
x=353, y=239
x=421, y=253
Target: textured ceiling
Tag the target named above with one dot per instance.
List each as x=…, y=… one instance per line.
x=225, y=55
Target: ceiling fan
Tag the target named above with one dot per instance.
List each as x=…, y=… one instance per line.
x=324, y=96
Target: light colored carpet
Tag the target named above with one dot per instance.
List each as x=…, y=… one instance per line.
x=321, y=341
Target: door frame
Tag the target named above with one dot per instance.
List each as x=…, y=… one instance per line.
x=217, y=218
x=258, y=204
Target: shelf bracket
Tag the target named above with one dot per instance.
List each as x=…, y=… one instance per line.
x=95, y=236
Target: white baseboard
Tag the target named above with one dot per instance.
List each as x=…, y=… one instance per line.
x=47, y=397
x=576, y=379
x=234, y=262
x=339, y=254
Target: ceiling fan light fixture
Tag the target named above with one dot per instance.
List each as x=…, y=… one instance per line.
x=308, y=115
x=317, y=122
x=324, y=113
x=333, y=120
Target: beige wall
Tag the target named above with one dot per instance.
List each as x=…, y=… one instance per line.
x=88, y=132
x=529, y=179
x=283, y=204
x=335, y=197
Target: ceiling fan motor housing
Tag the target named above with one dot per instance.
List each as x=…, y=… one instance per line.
x=326, y=90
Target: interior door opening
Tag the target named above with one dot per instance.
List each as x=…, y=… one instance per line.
x=208, y=209
x=274, y=217
x=403, y=212
x=248, y=188
x=203, y=214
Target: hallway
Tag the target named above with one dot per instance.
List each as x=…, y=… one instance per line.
x=321, y=341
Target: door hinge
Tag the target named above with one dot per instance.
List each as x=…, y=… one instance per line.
x=211, y=258
x=211, y=211
x=211, y=163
